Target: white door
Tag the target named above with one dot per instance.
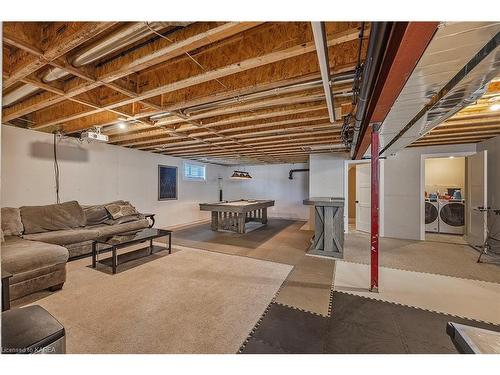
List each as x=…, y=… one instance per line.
x=476, y=196
x=363, y=197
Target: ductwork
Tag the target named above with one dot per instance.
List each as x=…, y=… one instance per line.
x=292, y=171
x=18, y=93
x=453, y=72
x=376, y=49
x=339, y=79
x=120, y=38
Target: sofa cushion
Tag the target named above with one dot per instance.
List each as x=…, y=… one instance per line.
x=38, y=219
x=64, y=237
x=96, y=214
x=118, y=210
x=11, y=221
x=20, y=255
x=109, y=230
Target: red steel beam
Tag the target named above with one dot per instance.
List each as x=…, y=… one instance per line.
x=375, y=192
x=404, y=53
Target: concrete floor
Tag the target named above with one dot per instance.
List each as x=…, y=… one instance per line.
x=438, y=256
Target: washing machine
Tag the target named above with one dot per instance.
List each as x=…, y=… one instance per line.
x=431, y=216
x=452, y=216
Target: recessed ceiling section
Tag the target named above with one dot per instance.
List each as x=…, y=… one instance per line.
x=461, y=59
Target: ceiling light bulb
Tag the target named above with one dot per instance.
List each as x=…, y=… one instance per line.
x=122, y=125
x=495, y=107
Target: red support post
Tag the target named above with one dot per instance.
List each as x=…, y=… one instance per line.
x=375, y=186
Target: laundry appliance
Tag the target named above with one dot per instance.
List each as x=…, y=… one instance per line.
x=431, y=216
x=451, y=216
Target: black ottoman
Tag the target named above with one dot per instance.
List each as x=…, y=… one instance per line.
x=32, y=330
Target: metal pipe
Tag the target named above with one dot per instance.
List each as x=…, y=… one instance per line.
x=338, y=79
x=374, y=55
x=320, y=42
x=292, y=171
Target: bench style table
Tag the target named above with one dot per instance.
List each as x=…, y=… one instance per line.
x=122, y=240
x=232, y=215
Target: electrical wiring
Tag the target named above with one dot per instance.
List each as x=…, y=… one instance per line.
x=347, y=130
x=56, y=168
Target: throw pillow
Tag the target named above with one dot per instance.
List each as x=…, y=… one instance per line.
x=11, y=222
x=118, y=210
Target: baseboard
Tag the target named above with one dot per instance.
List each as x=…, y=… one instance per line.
x=288, y=218
x=184, y=225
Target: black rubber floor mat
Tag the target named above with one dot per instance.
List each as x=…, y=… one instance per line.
x=357, y=325
x=362, y=325
x=254, y=346
x=288, y=330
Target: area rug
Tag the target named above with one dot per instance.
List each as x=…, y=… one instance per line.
x=191, y=301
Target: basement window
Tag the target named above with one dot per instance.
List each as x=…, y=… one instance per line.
x=194, y=172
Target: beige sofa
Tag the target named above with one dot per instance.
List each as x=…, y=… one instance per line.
x=37, y=241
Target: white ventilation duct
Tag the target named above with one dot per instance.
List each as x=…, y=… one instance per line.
x=120, y=38
x=17, y=94
x=456, y=59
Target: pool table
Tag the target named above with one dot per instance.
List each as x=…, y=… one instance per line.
x=232, y=215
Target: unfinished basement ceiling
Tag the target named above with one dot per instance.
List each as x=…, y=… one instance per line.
x=222, y=92
x=453, y=73
x=475, y=123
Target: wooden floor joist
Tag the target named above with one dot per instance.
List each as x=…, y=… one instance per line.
x=247, y=91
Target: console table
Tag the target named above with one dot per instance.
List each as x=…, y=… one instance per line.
x=329, y=226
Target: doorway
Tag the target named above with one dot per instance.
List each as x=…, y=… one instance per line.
x=444, y=196
x=358, y=196
x=451, y=187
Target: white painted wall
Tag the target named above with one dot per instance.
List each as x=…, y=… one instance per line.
x=271, y=182
x=492, y=145
x=97, y=173
x=326, y=177
x=443, y=173
x=404, y=188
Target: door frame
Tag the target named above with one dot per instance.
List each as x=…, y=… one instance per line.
x=459, y=154
x=347, y=163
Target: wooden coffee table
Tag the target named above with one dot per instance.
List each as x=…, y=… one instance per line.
x=119, y=241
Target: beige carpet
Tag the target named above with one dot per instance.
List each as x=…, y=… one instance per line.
x=283, y=241
x=308, y=285
x=191, y=301
x=472, y=299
